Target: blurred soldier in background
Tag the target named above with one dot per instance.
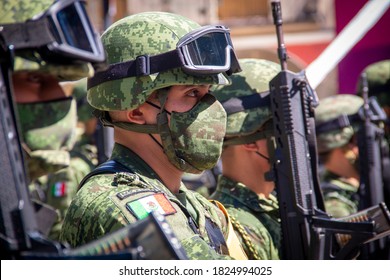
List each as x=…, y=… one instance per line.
x=85, y=146
x=47, y=115
x=378, y=78
x=242, y=187
x=339, y=153
x=155, y=94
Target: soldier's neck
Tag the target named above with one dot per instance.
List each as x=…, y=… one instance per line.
x=144, y=146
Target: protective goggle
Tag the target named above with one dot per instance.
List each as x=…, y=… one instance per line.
x=204, y=51
x=62, y=32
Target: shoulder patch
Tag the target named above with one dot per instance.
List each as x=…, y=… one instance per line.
x=124, y=194
x=155, y=202
x=58, y=189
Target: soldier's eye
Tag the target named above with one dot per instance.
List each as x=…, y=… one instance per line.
x=193, y=93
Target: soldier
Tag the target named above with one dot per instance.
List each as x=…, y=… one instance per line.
x=85, y=146
x=47, y=116
x=155, y=93
x=339, y=153
x=242, y=187
x=378, y=78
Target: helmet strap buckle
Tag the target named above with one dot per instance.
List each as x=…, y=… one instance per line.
x=142, y=65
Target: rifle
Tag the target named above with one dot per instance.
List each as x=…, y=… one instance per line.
x=370, y=137
x=20, y=231
x=308, y=232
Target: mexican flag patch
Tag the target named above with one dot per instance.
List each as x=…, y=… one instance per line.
x=59, y=189
x=155, y=202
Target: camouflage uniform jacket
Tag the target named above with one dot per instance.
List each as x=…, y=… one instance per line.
x=340, y=197
x=59, y=188
x=107, y=202
x=255, y=219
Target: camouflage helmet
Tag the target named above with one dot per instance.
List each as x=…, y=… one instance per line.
x=252, y=82
x=79, y=92
x=378, y=78
x=12, y=11
x=148, y=33
x=332, y=108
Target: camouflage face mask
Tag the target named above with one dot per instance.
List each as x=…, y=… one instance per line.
x=193, y=139
x=48, y=133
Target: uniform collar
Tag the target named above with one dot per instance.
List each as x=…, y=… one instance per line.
x=240, y=193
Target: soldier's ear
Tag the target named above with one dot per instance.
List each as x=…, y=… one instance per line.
x=250, y=147
x=135, y=116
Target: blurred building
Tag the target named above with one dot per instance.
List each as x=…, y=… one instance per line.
x=309, y=27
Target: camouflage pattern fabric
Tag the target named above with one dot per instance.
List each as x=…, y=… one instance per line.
x=378, y=78
x=25, y=9
x=55, y=131
x=59, y=188
x=72, y=72
x=148, y=33
x=108, y=202
x=331, y=108
x=257, y=216
x=342, y=200
x=84, y=110
x=254, y=78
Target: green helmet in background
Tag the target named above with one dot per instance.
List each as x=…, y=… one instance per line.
x=79, y=92
x=12, y=11
x=378, y=78
x=334, y=130
x=149, y=33
x=247, y=101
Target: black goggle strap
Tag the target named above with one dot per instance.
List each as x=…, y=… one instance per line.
x=265, y=133
x=338, y=123
x=29, y=34
x=375, y=114
x=246, y=139
x=242, y=103
x=141, y=66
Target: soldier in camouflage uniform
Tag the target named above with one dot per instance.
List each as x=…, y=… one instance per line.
x=338, y=151
x=378, y=78
x=47, y=119
x=242, y=187
x=165, y=123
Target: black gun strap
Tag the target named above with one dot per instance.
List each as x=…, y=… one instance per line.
x=108, y=167
x=314, y=165
x=216, y=237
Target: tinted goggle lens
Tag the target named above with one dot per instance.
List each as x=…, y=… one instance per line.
x=73, y=29
x=209, y=50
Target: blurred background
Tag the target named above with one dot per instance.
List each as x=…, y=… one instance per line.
x=309, y=27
